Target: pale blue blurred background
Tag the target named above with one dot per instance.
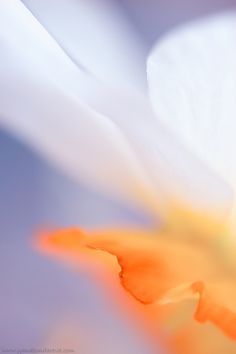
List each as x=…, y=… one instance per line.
x=33, y=193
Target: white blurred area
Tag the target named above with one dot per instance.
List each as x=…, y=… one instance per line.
x=36, y=293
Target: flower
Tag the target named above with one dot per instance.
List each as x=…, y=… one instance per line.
x=158, y=152
x=191, y=256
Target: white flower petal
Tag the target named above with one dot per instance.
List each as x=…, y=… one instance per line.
x=108, y=137
x=180, y=179
x=192, y=81
x=40, y=100
x=97, y=35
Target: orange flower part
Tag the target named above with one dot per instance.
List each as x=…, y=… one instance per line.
x=162, y=270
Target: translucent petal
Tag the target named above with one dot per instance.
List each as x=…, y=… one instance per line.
x=40, y=101
x=108, y=137
x=98, y=36
x=192, y=82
